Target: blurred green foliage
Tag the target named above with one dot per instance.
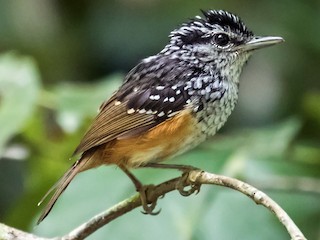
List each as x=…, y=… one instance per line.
x=48, y=99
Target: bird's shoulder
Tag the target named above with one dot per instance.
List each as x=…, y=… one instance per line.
x=158, y=85
x=153, y=92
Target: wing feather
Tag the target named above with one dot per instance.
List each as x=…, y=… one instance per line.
x=142, y=90
x=112, y=121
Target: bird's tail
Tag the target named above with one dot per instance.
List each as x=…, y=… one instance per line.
x=61, y=185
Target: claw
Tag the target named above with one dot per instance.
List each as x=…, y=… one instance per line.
x=148, y=208
x=183, y=183
x=150, y=211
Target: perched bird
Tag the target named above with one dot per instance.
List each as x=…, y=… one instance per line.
x=170, y=102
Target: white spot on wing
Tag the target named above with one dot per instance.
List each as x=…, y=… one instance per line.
x=161, y=114
x=131, y=110
x=160, y=87
x=156, y=97
x=149, y=112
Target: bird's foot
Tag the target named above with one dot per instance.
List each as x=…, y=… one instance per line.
x=148, y=206
x=145, y=193
x=185, y=183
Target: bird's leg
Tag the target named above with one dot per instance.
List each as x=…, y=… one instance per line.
x=183, y=168
x=183, y=183
x=143, y=190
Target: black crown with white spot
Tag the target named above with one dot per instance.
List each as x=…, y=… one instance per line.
x=179, y=77
x=196, y=29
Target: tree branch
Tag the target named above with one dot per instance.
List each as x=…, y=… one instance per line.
x=10, y=233
x=119, y=209
x=193, y=178
x=256, y=195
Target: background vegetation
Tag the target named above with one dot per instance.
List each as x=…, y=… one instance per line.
x=60, y=59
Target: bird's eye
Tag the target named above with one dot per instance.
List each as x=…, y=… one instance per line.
x=221, y=39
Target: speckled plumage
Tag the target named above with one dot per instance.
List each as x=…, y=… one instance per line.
x=192, y=71
x=169, y=102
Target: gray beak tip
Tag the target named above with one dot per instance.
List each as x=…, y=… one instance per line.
x=261, y=42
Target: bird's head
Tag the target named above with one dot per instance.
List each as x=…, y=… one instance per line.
x=219, y=39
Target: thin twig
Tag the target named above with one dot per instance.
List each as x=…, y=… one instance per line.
x=195, y=177
x=10, y=233
x=256, y=195
x=119, y=209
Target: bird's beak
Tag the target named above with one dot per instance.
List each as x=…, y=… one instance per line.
x=260, y=42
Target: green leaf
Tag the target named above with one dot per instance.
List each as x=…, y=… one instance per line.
x=266, y=144
x=19, y=89
x=311, y=105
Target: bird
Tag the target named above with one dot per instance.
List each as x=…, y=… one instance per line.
x=169, y=102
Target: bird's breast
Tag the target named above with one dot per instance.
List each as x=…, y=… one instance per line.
x=215, y=113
